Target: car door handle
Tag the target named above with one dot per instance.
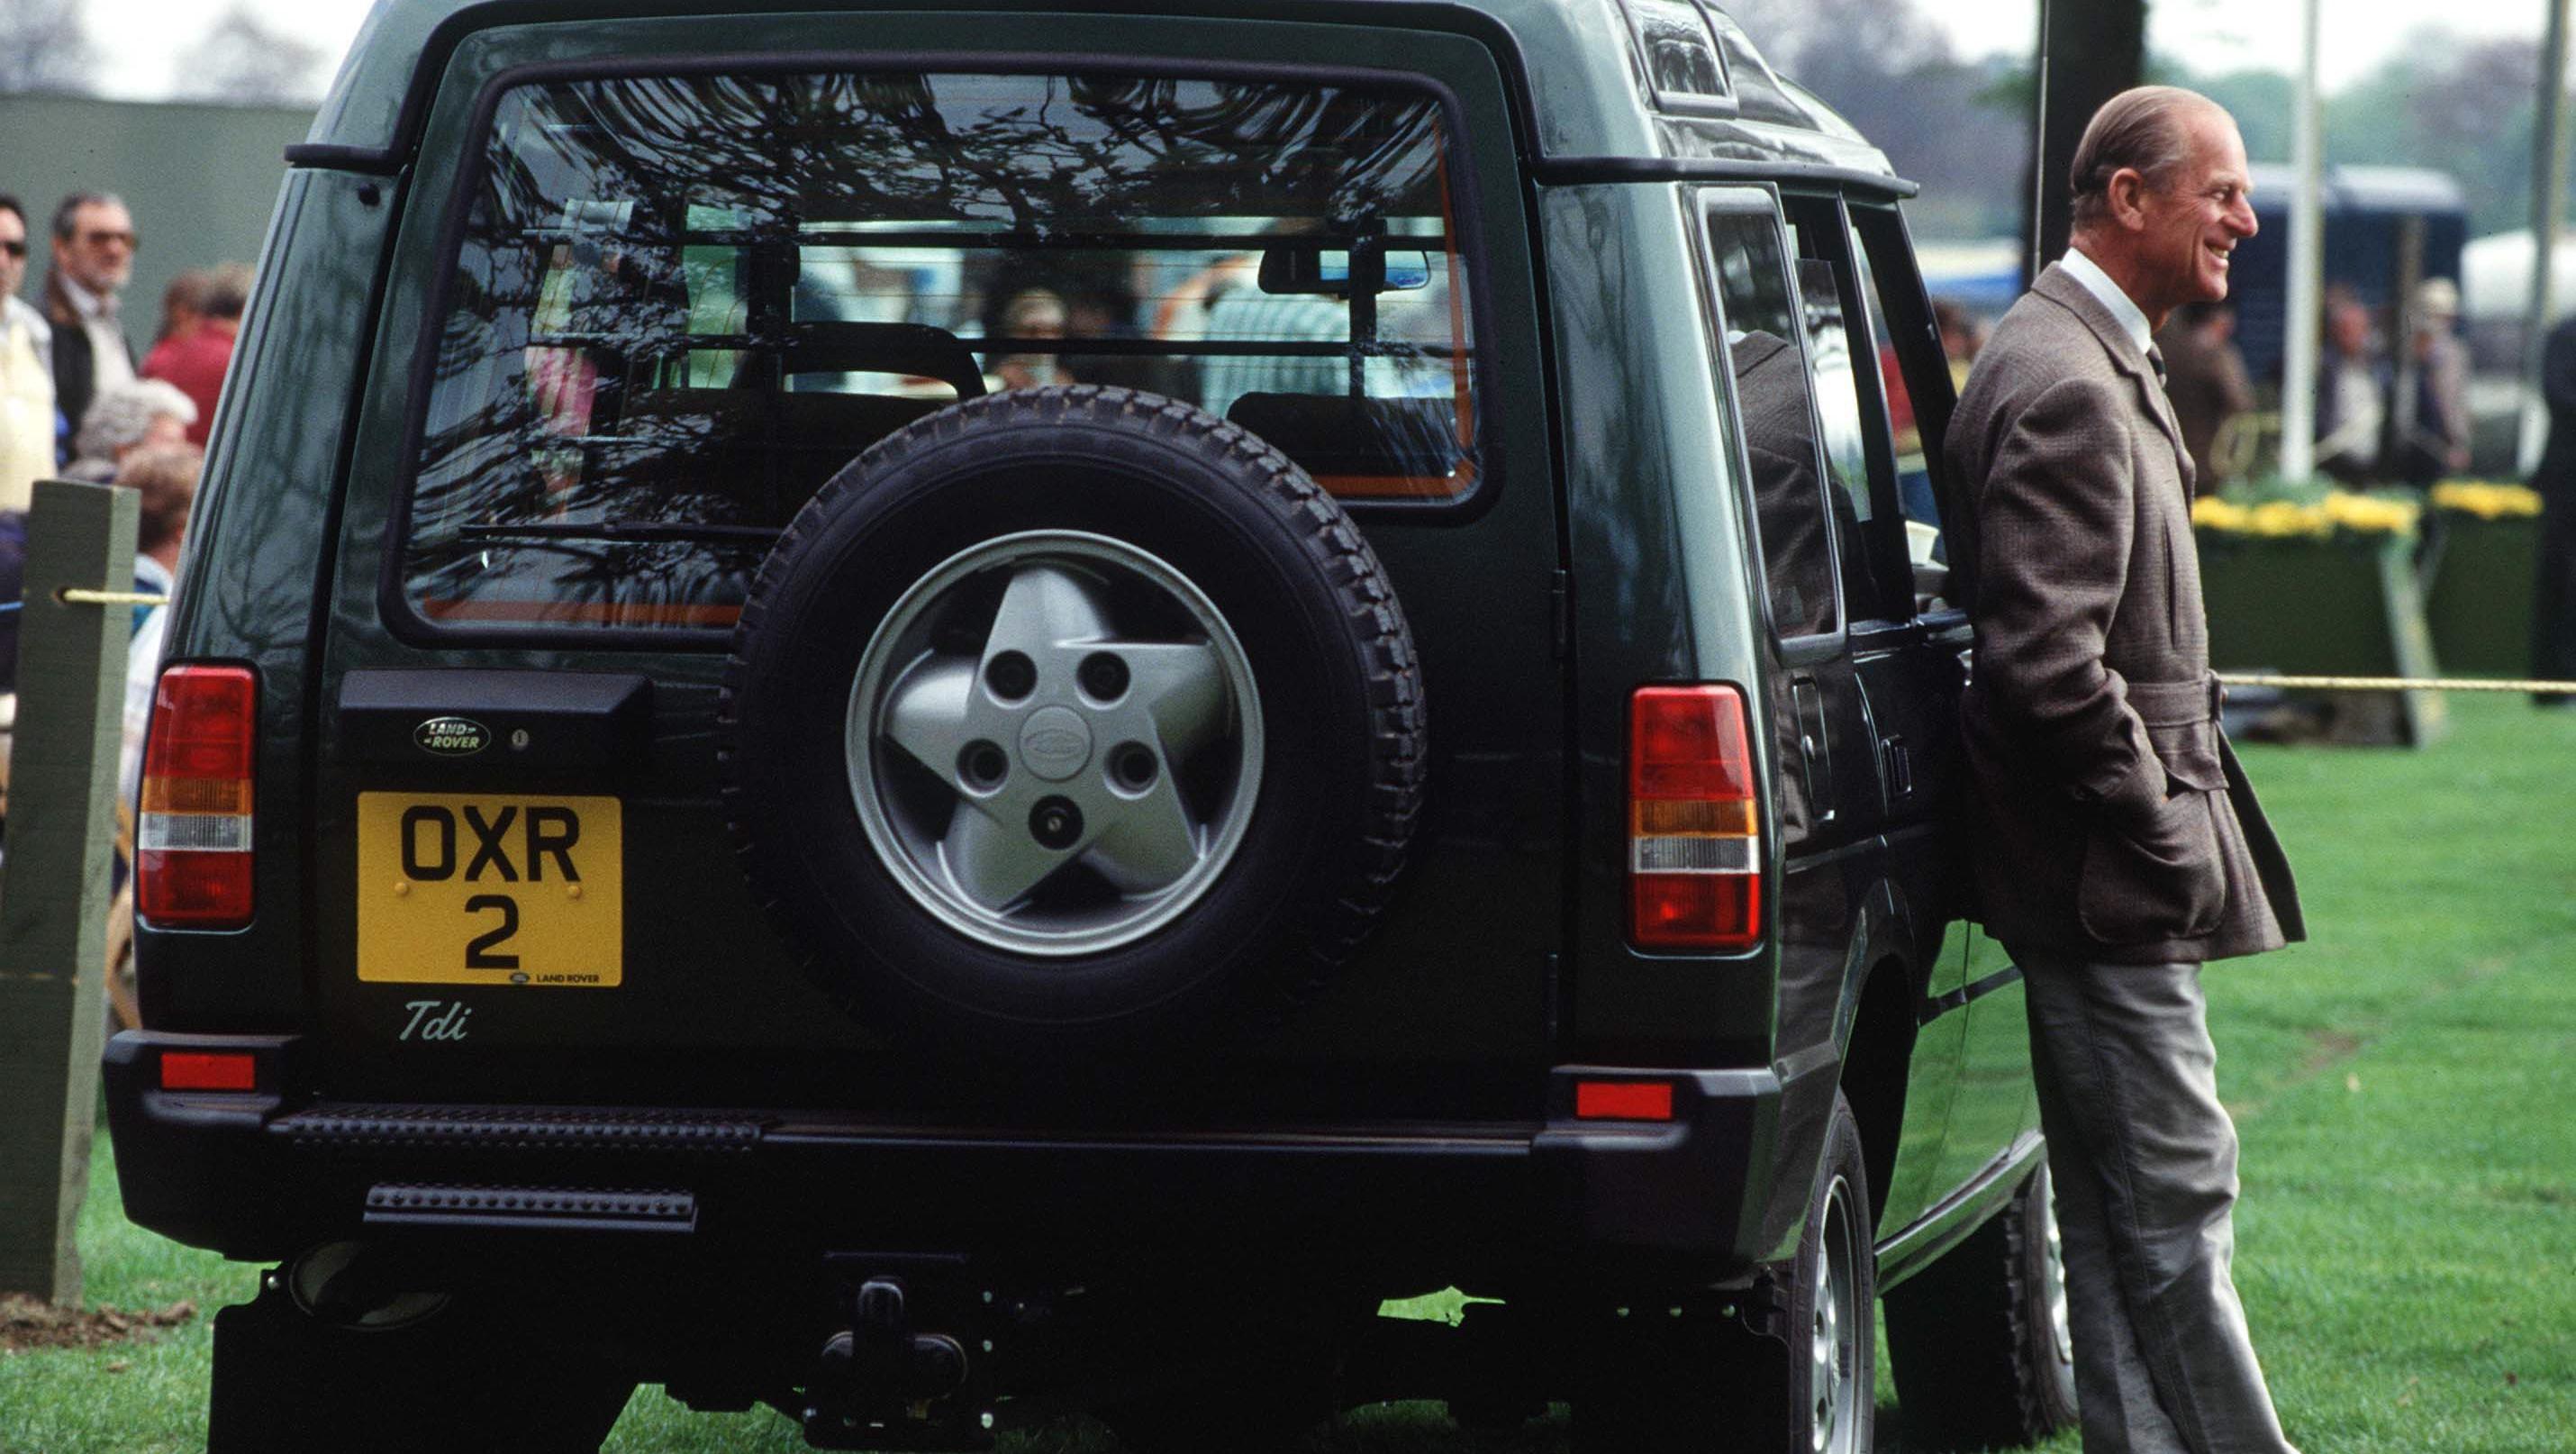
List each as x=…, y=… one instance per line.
x=1899, y=762
x=1815, y=749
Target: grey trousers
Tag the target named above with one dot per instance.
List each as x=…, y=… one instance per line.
x=2144, y=1158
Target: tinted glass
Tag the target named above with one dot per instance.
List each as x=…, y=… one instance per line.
x=1913, y=376
x=681, y=304
x=1763, y=329
x=1823, y=313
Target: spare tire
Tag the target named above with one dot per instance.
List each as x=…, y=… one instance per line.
x=1072, y=709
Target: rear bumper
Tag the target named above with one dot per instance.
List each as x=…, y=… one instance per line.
x=262, y=1174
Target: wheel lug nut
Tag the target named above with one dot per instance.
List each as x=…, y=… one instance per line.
x=1011, y=676
x=1132, y=765
x=983, y=765
x=1103, y=676
x=1055, y=823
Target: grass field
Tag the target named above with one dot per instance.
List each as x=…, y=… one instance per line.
x=2405, y=1084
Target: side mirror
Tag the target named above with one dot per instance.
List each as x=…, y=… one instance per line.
x=1326, y=271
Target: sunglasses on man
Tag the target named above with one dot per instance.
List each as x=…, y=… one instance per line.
x=17, y=248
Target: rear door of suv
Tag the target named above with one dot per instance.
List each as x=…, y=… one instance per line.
x=586, y=422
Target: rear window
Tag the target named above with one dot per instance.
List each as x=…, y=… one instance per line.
x=680, y=304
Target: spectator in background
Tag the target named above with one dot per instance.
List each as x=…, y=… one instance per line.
x=166, y=480
x=2205, y=378
x=183, y=304
x=2350, y=380
x=26, y=373
x=195, y=355
x=1032, y=313
x=1961, y=336
x=94, y=246
x=135, y=415
x=2431, y=435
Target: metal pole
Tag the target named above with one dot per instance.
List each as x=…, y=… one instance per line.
x=2038, y=155
x=2548, y=200
x=2307, y=266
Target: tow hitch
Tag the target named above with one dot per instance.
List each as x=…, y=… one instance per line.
x=886, y=1381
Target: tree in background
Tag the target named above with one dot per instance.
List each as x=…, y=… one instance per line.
x=45, y=46
x=2459, y=106
x=245, y=62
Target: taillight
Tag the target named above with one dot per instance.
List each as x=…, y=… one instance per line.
x=192, y=859
x=209, y=1070
x=1694, y=845
x=1623, y=1100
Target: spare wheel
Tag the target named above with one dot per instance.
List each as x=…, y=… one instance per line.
x=1072, y=708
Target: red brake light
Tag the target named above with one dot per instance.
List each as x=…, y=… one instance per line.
x=1694, y=845
x=192, y=861
x=1623, y=1100
x=220, y=1070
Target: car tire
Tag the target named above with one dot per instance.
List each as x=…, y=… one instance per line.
x=286, y=1382
x=1693, y=1380
x=1051, y=847
x=1979, y=1341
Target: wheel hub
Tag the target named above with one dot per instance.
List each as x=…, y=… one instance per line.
x=1054, y=742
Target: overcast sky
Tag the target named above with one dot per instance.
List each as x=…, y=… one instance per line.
x=141, y=39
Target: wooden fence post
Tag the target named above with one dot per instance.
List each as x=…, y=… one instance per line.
x=54, y=876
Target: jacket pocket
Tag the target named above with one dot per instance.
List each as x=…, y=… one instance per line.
x=2145, y=882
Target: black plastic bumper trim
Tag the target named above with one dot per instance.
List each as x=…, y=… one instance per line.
x=334, y=1127
x=262, y=1177
x=416, y=1204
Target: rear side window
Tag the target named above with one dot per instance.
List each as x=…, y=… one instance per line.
x=1774, y=397
x=680, y=304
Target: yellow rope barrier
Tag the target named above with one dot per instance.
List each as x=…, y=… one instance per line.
x=2393, y=684
x=79, y=597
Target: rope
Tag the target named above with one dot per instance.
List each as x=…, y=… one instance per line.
x=2393, y=684
x=78, y=596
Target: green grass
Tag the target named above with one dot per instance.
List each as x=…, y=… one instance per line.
x=2405, y=1084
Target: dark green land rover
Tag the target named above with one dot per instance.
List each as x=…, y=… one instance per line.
x=944, y=715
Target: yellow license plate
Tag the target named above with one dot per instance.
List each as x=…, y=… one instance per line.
x=469, y=888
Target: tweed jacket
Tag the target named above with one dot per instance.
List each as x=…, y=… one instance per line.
x=2106, y=816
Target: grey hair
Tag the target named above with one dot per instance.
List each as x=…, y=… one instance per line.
x=122, y=413
x=2140, y=130
x=65, y=214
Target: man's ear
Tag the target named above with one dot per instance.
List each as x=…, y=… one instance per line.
x=2127, y=196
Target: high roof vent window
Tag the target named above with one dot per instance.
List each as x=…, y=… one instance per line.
x=1681, y=57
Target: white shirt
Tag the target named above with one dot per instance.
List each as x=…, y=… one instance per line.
x=17, y=313
x=110, y=364
x=2098, y=283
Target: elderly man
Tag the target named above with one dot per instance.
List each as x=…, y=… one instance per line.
x=2115, y=842
x=94, y=246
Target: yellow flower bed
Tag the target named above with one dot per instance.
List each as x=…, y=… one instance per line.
x=2291, y=519
x=2486, y=499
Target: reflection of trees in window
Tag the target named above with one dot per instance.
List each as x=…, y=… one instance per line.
x=658, y=332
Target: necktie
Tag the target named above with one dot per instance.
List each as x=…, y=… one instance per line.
x=2156, y=361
